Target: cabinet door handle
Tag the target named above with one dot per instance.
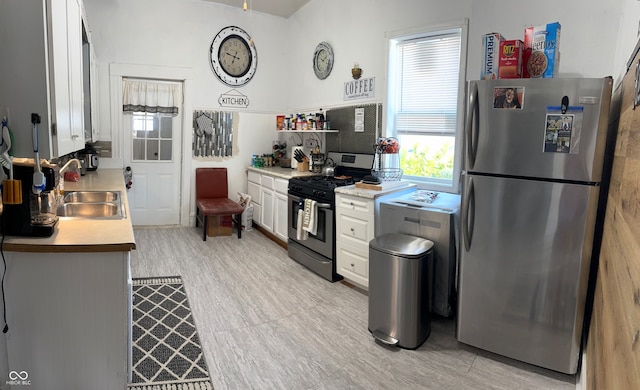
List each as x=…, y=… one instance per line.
x=75, y=136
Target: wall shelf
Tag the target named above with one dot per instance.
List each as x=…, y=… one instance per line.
x=308, y=131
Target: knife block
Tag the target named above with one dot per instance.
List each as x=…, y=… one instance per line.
x=303, y=166
x=294, y=163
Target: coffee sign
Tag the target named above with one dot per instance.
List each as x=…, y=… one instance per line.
x=360, y=89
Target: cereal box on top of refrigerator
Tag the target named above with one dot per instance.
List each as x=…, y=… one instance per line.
x=490, y=55
x=544, y=42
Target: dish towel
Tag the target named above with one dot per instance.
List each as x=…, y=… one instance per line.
x=301, y=234
x=309, y=223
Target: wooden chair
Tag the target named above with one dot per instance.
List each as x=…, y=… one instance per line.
x=212, y=198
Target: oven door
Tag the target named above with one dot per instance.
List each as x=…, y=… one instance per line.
x=323, y=241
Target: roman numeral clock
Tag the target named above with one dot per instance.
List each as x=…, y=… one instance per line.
x=233, y=56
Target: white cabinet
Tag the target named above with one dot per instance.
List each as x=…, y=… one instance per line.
x=355, y=221
x=269, y=198
x=254, y=190
x=42, y=58
x=90, y=86
x=355, y=227
x=281, y=229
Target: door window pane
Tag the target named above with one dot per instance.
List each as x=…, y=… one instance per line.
x=152, y=137
x=165, y=150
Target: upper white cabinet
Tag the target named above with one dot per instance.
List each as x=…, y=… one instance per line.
x=42, y=72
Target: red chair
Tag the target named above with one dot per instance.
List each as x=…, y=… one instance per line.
x=212, y=198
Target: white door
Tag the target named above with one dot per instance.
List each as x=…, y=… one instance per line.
x=152, y=150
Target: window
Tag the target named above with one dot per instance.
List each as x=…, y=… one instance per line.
x=424, y=103
x=152, y=136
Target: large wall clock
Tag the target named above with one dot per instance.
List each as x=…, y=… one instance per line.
x=323, y=60
x=233, y=56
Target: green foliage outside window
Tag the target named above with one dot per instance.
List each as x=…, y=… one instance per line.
x=421, y=159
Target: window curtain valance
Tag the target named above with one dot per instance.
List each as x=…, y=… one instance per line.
x=146, y=96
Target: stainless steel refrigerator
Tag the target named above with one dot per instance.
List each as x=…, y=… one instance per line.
x=534, y=152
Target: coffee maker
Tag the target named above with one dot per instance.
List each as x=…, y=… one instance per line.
x=35, y=214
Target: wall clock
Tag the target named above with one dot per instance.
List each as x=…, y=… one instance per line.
x=323, y=60
x=233, y=56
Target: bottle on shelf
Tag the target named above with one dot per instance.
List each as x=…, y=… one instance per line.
x=320, y=124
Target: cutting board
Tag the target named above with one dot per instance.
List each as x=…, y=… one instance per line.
x=382, y=186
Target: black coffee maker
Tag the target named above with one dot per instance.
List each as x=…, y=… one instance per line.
x=35, y=214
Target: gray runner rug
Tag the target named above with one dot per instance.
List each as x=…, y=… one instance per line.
x=166, y=349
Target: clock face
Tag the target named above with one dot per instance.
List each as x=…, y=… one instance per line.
x=233, y=56
x=323, y=60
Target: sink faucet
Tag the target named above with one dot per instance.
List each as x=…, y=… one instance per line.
x=66, y=166
x=61, y=171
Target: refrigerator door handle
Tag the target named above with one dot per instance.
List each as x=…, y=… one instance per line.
x=472, y=126
x=468, y=215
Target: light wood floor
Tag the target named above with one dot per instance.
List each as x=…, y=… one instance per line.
x=266, y=322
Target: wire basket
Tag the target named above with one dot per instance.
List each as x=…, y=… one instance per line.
x=388, y=174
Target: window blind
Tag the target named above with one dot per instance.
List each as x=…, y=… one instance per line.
x=427, y=83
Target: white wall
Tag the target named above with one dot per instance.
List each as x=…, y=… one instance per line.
x=178, y=33
x=597, y=39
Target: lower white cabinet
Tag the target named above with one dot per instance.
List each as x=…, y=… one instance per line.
x=355, y=221
x=355, y=227
x=269, y=199
x=281, y=229
x=267, y=208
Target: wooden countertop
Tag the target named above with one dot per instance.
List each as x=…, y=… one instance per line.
x=372, y=194
x=84, y=235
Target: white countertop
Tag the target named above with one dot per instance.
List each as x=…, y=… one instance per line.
x=285, y=173
x=85, y=235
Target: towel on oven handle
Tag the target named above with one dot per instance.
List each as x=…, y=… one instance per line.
x=301, y=234
x=309, y=222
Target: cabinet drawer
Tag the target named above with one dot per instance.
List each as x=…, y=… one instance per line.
x=353, y=264
x=352, y=228
x=354, y=203
x=254, y=191
x=267, y=181
x=254, y=177
x=282, y=186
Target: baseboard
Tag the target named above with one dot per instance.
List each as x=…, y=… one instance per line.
x=270, y=236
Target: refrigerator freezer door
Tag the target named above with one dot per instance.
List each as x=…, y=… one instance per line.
x=512, y=141
x=524, y=264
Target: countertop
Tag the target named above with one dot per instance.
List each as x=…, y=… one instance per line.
x=84, y=235
x=285, y=173
x=372, y=194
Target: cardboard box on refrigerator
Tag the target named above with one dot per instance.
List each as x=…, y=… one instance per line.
x=490, y=54
x=542, y=45
x=510, y=60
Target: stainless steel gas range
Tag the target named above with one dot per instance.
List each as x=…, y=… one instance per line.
x=318, y=251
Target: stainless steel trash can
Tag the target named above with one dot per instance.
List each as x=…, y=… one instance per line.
x=400, y=283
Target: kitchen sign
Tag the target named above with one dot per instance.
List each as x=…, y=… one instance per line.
x=360, y=89
x=234, y=99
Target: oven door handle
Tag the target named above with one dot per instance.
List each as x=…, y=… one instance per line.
x=319, y=205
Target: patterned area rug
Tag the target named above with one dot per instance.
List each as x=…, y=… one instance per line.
x=166, y=349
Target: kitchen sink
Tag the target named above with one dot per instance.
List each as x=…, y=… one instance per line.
x=91, y=196
x=92, y=205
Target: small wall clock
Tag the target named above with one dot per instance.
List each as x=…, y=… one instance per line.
x=323, y=60
x=233, y=56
